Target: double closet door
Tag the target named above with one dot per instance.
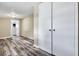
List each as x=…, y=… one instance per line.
x=56, y=28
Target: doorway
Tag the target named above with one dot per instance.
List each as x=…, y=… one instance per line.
x=15, y=28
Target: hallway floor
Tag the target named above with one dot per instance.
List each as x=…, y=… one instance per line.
x=19, y=46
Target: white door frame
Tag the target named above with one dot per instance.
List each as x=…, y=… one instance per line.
x=76, y=29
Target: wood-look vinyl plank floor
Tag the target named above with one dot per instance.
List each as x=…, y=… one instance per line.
x=20, y=46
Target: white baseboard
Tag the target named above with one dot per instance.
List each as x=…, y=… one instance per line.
x=27, y=37
x=36, y=46
x=5, y=37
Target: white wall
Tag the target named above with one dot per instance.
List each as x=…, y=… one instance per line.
x=27, y=27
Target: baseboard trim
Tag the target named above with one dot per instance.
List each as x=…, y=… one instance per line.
x=43, y=50
x=5, y=37
x=52, y=55
x=26, y=37
x=36, y=46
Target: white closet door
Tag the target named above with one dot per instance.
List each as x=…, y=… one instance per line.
x=64, y=25
x=44, y=24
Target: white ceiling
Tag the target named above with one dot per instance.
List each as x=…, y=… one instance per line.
x=21, y=8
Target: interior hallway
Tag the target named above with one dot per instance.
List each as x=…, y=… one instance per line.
x=19, y=46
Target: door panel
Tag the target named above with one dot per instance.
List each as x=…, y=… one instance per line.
x=63, y=23
x=44, y=24
x=15, y=30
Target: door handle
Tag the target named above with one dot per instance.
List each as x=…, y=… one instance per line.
x=51, y=30
x=54, y=30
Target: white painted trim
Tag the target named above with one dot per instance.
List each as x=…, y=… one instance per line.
x=76, y=28
x=36, y=46
x=5, y=37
